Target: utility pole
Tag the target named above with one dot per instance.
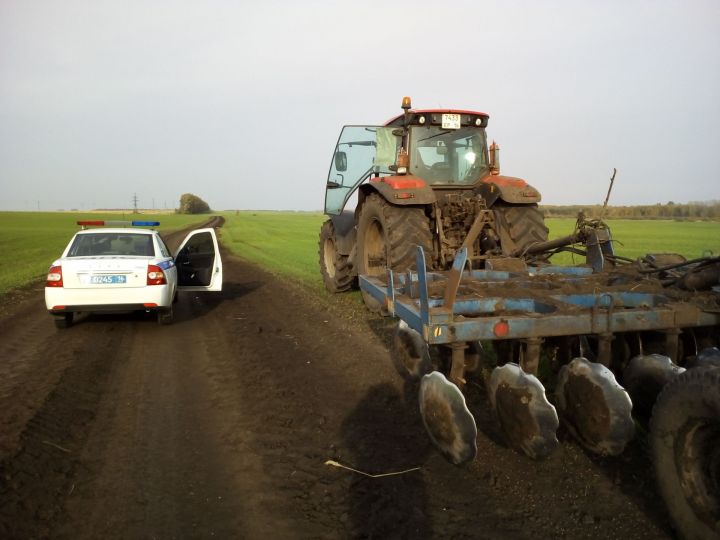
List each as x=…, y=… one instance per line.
x=135, y=202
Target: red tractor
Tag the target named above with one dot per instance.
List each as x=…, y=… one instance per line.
x=426, y=178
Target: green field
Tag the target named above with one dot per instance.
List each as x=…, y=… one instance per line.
x=32, y=240
x=635, y=238
x=287, y=242
x=283, y=242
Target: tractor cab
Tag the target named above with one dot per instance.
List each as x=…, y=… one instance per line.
x=436, y=148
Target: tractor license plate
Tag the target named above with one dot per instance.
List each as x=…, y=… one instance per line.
x=451, y=121
x=107, y=279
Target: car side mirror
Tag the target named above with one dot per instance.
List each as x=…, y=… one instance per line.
x=340, y=161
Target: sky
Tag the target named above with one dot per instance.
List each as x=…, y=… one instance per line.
x=241, y=103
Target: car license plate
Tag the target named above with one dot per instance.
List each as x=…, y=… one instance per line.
x=107, y=279
x=451, y=121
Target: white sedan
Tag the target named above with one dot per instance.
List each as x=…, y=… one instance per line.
x=126, y=269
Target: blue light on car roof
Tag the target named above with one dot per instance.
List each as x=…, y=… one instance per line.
x=145, y=223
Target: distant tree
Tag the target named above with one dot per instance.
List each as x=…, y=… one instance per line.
x=192, y=204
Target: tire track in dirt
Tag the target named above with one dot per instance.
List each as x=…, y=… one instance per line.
x=221, y=423
x=39, y=475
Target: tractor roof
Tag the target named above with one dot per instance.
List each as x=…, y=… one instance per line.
x=395, y=120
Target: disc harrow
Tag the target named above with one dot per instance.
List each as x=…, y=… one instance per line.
x=607, y=339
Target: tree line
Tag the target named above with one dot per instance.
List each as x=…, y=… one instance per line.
x=670, y=210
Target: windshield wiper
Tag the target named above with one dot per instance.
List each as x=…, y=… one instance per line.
x=436, y=135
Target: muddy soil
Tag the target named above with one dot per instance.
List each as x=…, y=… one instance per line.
x=220, y=426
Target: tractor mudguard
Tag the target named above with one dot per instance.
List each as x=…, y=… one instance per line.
x=345, y=231
x=507, y=188
x=406, y=190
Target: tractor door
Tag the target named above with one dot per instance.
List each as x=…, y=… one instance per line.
x=361, y=151
x=198, y=262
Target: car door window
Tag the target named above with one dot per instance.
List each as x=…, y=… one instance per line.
x=196, y=260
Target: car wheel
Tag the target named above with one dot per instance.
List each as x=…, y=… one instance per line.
x=63, y=321
x=165, y=316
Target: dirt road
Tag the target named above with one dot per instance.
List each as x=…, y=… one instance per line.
x=220, y=426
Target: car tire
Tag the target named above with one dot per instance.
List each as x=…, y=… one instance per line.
x=63, y=321
x=685, y=445
x=165, y=316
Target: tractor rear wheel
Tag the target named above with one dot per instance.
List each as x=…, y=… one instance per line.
x=519, y=227
x=334, y=267
x=685, y=444
x=387, y=238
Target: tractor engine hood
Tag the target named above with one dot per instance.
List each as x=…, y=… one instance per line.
x=509, y=189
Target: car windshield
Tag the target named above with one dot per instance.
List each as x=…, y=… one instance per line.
x=117, y=244
x=448, y=156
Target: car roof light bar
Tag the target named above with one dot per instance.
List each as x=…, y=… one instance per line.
x=104, y=223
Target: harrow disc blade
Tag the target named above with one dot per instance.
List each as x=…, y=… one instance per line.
x=410, y=353
x=527, y=418
x=594, y=407
x=644, y=378
x=447, y=419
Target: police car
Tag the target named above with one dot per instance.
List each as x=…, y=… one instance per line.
x=124, y=269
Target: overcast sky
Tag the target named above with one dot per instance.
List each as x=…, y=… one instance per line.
x=241, y=102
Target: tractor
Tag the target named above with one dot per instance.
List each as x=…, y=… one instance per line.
x=460, y=254
x=425, y=178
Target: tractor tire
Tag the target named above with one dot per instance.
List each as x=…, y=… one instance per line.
x=685, y=445
x=388, y=237
x=334, y=267
x=519, y=227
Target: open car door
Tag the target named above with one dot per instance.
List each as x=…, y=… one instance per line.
x=198, y=262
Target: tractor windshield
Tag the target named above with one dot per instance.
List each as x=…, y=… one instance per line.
x=448, y=156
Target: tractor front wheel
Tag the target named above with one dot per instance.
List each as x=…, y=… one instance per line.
x=334, y=267
x=685, y=443
x=387, y=238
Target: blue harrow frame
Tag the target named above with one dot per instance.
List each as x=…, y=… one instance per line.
x=462, y=305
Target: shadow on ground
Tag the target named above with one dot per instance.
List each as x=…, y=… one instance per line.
x=384, y=433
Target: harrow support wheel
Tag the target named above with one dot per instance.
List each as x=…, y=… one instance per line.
x=685, y=445
x=644, y=378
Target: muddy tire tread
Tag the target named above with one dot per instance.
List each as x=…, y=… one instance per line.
x=404, y=228
x=343, y=278
x=524, y=223
x=694, y=395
